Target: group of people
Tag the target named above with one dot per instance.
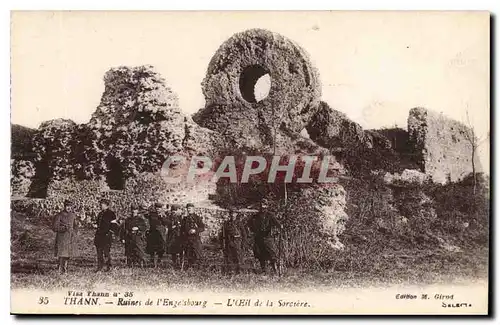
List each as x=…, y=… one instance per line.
x=170, y=229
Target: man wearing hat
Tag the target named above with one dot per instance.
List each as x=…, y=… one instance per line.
x=135, y=237
x=264, y=225
x=65, y=226
x=191, y=227
x=156, y=236
x=174, y=236
x=233, y=235
x=106, y=225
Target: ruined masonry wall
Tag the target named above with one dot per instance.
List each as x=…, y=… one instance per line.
x=442, y=145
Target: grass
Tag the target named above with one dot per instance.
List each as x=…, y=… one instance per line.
x=170, y=280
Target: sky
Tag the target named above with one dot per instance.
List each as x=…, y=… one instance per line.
x=374, y=66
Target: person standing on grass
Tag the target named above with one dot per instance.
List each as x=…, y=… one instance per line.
x=122, y=236
x=174, y=236
x=191, y=227
x=232, y=238
x=264, y=226
x=106, y=224
x=156, y=235
x=65, y=226
x=135, y=238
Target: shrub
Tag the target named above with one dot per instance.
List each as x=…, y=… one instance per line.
x=415, y=216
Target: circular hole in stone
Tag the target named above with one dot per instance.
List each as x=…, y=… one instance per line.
x=255, y=83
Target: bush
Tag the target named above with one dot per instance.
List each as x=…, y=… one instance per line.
x=415, y=216
x=463, y=214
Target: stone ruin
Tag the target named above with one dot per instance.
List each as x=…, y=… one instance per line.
x=119, y=153
x=443, y=146
x=231, y=108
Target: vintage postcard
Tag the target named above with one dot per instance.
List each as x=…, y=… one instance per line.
x=282, y=163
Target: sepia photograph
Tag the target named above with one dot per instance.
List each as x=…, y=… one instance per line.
x=250, y=162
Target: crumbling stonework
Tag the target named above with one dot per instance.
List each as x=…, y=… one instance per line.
x=333, y=130
x=441, y=144
x=231, y=107
x=135, y=127
x=53, y=144
x=331, y=207
x=21, y=175
x=137, y=124
x=200, y=141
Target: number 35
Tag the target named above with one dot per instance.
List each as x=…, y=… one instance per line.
x=43, y=300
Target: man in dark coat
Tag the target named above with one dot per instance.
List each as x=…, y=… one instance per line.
x=191, y=227
x=122, y=234
x=65, y=226
x=135, y=238
x=232, y=236
x=156, y=236
x=106, y=225
x=264, y=226
x=174, y=236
